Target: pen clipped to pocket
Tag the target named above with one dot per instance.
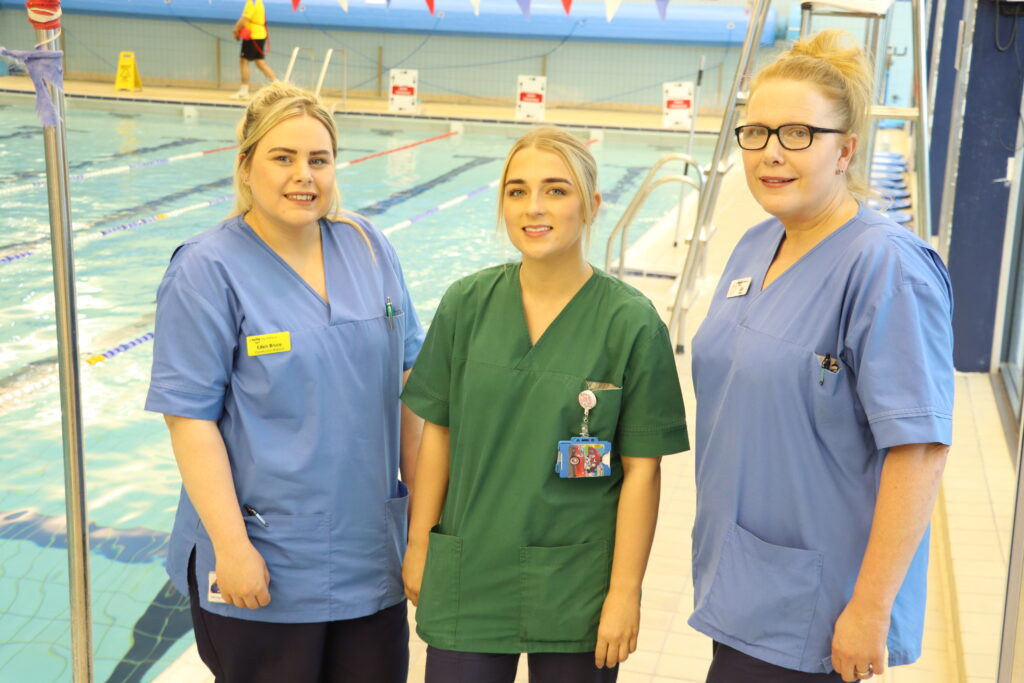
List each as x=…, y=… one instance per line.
x=829, y=363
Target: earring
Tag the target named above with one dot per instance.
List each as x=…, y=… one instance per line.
x=840, y=171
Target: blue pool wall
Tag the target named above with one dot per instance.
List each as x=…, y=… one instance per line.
x=459, y=56
x=182, y=49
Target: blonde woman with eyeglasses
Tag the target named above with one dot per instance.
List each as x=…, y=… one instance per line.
x=824, y=382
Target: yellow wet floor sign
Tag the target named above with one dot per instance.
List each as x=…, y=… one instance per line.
x=127, y=73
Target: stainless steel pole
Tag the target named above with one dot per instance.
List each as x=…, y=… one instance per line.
x=962, y=64
x=1011, y=651
x=55, y=143
x=922, y=127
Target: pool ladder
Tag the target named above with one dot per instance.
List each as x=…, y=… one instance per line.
x=697, y=240
x=343, y=102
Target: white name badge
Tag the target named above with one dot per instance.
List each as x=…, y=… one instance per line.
x=738, y=287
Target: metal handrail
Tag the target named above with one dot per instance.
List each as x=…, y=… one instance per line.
x=323, y=71
x=294, y=58
x=622, y=227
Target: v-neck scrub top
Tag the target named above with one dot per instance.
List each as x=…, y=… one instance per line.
x=521, y=558
x=789, y=455
x=311, y=426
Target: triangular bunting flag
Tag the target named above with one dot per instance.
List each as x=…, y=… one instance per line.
x=476, y=7
x=566, y=4
x=610, y=8
x=295, y=4
x=344, y=4
x=662, y=6
x=430, y=6
x=525, y=6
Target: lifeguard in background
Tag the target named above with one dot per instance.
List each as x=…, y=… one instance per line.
x=251, y=29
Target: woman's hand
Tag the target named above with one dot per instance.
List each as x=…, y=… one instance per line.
x=618, y=629
x=858, y=643
x=242, y=577
x=412, y=570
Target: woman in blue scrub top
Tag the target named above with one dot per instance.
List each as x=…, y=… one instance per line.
x=282, y=336
x=824, y=384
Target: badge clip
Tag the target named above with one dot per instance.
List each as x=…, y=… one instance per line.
x=584, y=455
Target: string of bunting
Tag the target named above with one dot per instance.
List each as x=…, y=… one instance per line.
x=610, y=6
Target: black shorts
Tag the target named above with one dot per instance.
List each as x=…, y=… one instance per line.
x=254, y=49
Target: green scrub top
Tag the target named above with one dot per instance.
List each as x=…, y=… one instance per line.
x=521, y=558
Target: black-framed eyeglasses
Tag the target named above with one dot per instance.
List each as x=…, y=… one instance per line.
x=792, y=136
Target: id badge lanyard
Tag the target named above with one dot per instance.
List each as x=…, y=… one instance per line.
x=584, y=455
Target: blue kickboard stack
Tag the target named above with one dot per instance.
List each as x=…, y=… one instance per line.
x=888, y=180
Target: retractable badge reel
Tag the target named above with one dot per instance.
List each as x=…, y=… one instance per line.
x=584, y=455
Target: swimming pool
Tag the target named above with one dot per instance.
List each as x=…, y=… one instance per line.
x=146, y=179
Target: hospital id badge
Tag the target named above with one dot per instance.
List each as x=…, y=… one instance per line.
x=583, y=456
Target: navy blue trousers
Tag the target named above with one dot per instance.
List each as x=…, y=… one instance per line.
x=732, y=666
x=448, y=666
x=370, y=649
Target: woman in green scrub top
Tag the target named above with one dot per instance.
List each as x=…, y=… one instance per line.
x=524, y=538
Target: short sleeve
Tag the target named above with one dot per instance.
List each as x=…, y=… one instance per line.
x=427, y=391
x=414, y=333
x=902, y=351
x=193, y=352
x=652, y=421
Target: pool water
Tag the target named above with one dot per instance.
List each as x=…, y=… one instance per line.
x=124, y=237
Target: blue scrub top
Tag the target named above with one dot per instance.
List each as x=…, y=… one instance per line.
x=312, y=431
x=789, y=458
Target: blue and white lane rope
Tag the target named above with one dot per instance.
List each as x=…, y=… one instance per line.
x=15, y=257
x=116, y=170
x=440, y=207
x=119, y=349
x=82, y=239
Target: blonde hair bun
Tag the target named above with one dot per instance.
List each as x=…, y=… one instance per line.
x=833, y=61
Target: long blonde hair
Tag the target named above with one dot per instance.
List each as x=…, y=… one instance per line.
x=574, y=154
x=270, y=106
x=832, y=61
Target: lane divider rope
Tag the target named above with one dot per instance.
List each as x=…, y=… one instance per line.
x=120, y=348
x=115, y=170
x=346, y=164
x=440, y=207
x=177, y=212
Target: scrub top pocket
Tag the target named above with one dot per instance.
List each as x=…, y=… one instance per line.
x=438, y=608
x=604, y=417
x=833, y=396
x=562, y=590
x=396, y=511
x=296, y=550
x=763, y=593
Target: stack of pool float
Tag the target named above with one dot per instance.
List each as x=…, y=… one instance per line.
x=888, y=178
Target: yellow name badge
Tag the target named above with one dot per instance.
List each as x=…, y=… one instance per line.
x=262, y=344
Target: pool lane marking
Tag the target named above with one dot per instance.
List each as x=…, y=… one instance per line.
x=440, y=207
x=115, y=170
x=346, y=164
